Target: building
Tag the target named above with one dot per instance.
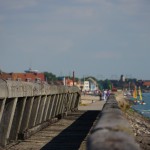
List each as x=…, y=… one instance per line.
x=86, y=86
x=28, y=77
x=122, y=78
x=93, y=87
x=69, y=82
x=146, y=83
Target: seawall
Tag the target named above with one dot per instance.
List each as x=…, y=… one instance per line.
x=112, y=130
x=26, y=107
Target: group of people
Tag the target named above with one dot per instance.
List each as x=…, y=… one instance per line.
x=104, y=94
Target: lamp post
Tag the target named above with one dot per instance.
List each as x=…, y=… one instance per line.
x=73, y=78
x=129, y=86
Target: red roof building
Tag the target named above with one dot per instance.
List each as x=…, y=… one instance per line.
x=29, y=77
x=69, y=82
x=146, y=83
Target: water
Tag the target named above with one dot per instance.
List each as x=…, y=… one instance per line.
x=144, y=109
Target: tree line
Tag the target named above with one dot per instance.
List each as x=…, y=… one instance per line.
x=102, y=84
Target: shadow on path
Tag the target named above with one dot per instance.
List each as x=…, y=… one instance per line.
x=72, y=137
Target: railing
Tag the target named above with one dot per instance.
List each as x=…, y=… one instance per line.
x=112, y=131
x=27, y=107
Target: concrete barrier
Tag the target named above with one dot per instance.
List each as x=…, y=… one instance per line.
x=112, y=131
x=27, y=107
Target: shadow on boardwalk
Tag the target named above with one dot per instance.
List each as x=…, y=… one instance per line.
x=72, y=137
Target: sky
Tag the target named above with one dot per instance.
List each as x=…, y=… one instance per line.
x=100, y=38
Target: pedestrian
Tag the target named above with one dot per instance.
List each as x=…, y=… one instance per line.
x=104, y=95
x=100, y=95
x=107, y=94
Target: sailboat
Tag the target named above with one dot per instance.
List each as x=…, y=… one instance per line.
x=140, y=94
x=135, y=93
x=134, y=98
x=140, y=98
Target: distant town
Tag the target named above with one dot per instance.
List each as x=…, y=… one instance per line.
x=87, y=84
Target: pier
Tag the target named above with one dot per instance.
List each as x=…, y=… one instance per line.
x=40, y=116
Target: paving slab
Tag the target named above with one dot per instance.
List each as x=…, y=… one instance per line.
x=69, y=133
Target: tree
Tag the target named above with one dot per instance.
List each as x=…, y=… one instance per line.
x=107, y=84
x=100, y=84
x=50, y=77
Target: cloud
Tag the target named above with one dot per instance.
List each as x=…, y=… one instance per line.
x=90, y=1
x=61, y=45
x=1, y=18
x=74, y=32
x=128, y=7
x=17, y=4
x=45, y=44
x=107, y=55
x=75, y=12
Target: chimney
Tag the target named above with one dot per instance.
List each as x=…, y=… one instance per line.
x=73, y=78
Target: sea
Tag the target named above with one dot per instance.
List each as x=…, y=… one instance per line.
x=143, y=109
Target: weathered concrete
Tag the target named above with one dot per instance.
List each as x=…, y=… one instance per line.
x=112, y=131
x=70, y=132
x=25, y=106
x=12, y=89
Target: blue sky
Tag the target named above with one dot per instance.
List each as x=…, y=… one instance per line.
x=102, y=38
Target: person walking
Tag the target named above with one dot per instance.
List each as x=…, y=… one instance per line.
x=100, y=95
x=104, y=95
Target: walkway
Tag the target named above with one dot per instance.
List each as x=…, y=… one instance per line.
x=70, y=133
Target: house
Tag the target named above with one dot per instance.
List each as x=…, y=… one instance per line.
x=146, y=83
x=28, y=77
x=86, y=86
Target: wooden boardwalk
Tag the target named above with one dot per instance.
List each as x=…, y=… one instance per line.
x=69, y=133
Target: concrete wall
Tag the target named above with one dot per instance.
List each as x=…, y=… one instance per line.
x=112, y=131
x=27, y=107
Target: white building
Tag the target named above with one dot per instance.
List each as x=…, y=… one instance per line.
x=86, y=86
x=93, y=87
